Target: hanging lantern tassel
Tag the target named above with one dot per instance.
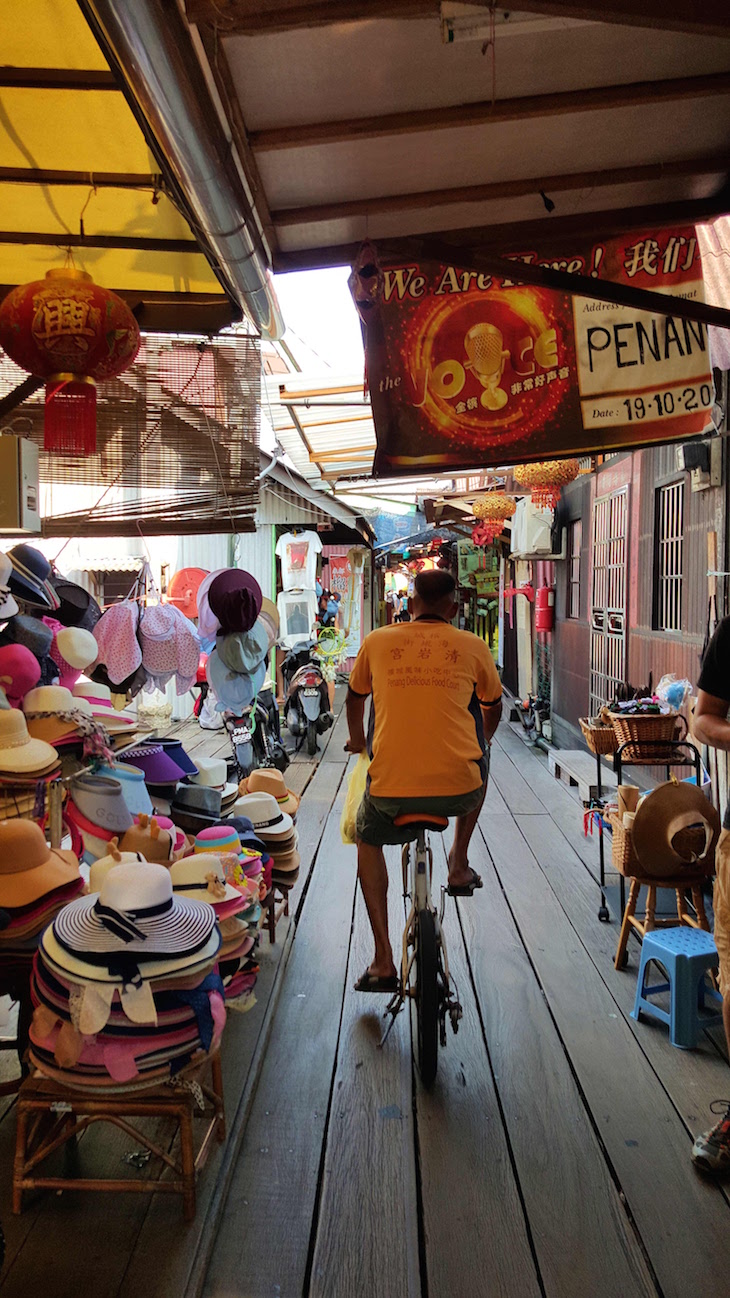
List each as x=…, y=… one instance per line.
x=492, y=510
x=69, y=426
x=545, y=480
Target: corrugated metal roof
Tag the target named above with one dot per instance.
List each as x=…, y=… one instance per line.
x=324, y=424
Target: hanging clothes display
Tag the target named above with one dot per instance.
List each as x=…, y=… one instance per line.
x=298, y=554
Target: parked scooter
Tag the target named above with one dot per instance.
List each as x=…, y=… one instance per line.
x=255, y=736
x=306, y=697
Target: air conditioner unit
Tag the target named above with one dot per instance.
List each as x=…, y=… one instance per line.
x=19, y=494
x=531, y=531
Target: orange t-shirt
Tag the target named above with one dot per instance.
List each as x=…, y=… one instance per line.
x=427, y=680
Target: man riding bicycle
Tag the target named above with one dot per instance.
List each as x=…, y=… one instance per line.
x=436, y=703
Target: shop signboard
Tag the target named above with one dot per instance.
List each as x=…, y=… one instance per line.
x=469, y=370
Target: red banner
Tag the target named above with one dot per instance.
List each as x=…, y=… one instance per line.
x=465, y=369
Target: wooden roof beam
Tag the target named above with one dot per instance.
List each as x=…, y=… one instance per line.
x=57, y=79
x=543, y=234
x=501, y=189
x=519, y=108
x=710, y=18
x=99, y=179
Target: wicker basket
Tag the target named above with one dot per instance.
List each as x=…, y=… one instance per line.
x=623, y=855
x=600, y=738
x=651, y=729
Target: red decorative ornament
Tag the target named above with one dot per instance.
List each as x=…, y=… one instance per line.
x=71, y=332
x=546, y=480
x=492, y=510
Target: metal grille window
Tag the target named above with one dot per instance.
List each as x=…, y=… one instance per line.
x=669, y=547
x=575, y=540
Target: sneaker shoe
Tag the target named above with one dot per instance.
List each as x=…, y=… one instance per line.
x=711, y=1151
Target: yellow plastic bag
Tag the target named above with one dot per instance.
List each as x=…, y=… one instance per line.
x=354, y=796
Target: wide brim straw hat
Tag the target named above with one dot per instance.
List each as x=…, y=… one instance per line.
x=202, y=878
x=271, y=781
x=135, y=913
x=268, y=820
x=83, y=971
x=662, y=815
x=19, y=751
x=29, y=868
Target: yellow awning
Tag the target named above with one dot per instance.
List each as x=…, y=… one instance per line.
x=71, y=155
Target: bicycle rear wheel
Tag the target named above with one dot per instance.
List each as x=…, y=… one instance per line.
x=426, y=998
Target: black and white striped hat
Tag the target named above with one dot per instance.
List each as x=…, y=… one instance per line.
x=136, y=914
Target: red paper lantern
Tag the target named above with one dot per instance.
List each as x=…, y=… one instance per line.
x=72, y=333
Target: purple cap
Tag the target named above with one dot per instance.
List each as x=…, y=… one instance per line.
x=235, y=599
x=155, y=764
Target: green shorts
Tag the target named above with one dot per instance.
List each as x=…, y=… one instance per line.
x=376, y=815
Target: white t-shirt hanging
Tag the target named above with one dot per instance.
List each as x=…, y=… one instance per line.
x=297, y=612
x=298, y=553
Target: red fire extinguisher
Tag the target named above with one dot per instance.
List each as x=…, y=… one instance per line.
x=545, y=608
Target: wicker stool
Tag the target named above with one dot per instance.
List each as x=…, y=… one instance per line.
x=51, y=1113
x=650, y=922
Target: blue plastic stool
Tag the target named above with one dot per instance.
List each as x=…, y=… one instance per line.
x=686, y=954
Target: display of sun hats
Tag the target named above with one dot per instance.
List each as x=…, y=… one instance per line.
x=100, y=800
x=19, y=752
x=155, y=764
x=134, y=789
x=76, y=606
x=95, y=839
x=116, y=635
x=208, y=624
x=203, y=878
x=20, y=672
x=170, y=647
x=245, y=830
x=54, y=714
x=150, y=839
x=174, y=750
x=266, y=816
x=270, y=780
x=235, y=691
x=212, y=773
x=31, y=632
x=194, y=806
x=135, y=913
x=28, y=866
x=286, y=862
x=99, y=697
x=8, y=604
x=243, y=651
x=234, y=598
x=219, y=839
x=98, y=870
x=183, y=590
x=29, y=576
x=182, y=843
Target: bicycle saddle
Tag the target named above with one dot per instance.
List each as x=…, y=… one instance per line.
x=422, y=818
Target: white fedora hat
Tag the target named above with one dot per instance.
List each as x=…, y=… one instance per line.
x=265, y=815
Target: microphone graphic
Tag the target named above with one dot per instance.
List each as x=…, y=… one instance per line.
x=487, y=358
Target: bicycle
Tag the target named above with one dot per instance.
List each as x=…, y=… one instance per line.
x=425, y=979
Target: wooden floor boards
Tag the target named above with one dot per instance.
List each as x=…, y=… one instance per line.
x=551, y=1157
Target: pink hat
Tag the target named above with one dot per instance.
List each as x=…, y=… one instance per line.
x=116, y=635
x=170, y=646
x=73, y=650
x=20, y=672
x=208, y=624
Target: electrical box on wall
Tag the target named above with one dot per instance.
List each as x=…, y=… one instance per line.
x=19, y=492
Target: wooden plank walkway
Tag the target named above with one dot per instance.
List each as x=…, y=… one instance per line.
x=551, y=1157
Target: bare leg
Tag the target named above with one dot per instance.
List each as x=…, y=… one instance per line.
x=373, y=877
x=459, y=871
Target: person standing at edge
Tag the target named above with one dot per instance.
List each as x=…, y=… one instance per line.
x=436, y=703
x=711, y=1151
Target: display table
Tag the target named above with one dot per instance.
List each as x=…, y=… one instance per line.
x=50, y=1114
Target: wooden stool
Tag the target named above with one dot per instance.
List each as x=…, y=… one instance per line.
x=50, y=1114
x=277, y=905
x=680, y=887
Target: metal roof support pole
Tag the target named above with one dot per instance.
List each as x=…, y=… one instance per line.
x=151, y=45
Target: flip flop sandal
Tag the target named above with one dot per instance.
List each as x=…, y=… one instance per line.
x=466, y=889
x=368, y=982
